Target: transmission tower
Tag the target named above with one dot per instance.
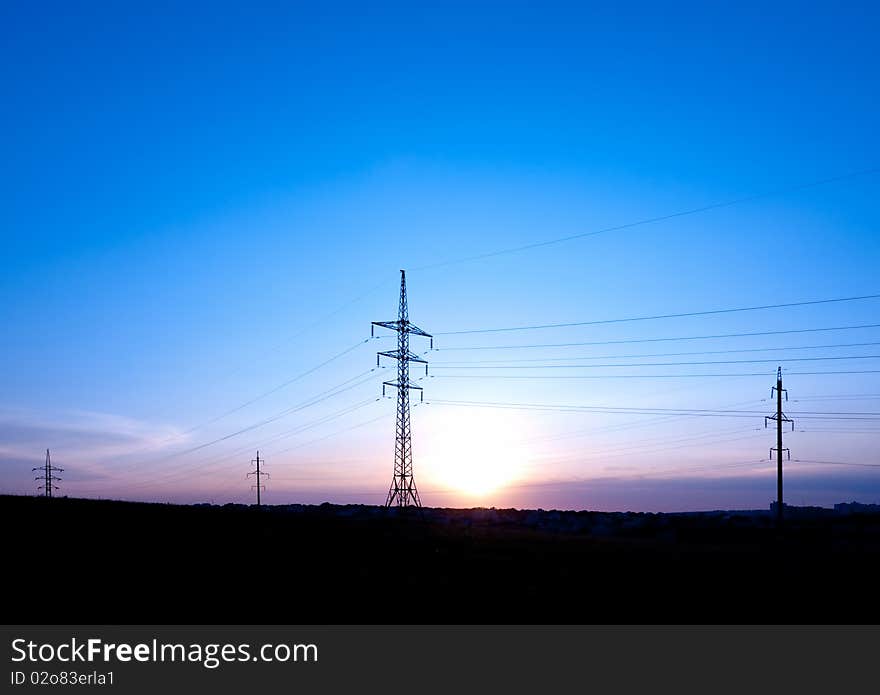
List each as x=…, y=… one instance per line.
x=258, y=473
x=403, y=490
x=48, y=476
x=779, y=417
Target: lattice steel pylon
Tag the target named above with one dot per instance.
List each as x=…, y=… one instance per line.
x=48, y=477
x=403, y=491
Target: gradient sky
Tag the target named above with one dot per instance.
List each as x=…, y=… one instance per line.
x=200, y=205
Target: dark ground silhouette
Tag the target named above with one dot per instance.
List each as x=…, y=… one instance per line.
x=87, y=561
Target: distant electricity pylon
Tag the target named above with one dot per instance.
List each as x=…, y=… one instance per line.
x=48, y=476
x=779, y=417
x=403, y=490
x=258, y=472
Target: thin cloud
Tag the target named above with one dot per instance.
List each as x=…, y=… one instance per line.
x=87, y=444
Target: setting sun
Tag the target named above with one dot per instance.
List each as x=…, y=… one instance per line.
x=475, y=453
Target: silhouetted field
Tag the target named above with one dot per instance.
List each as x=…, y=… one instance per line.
x=85, y=561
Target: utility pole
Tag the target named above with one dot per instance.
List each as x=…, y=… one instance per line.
x=258, y=473
x=779, y=417
x=402, y=492
x=48, y=476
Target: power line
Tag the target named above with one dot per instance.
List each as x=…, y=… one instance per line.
x=324, y=395
x=187, y=469
x=669, y=471
x=319, y=321
x=278, y=416
x=464, y=365
x=639, y=376
x=844, y=397
x=650, y=441
x=579, y=481
x=571, y=324
x=641, y=474
x=698, y=469
x=660, y=354
x=839, y=463
x=650, y=421
x=714, y=412
x=819, y=182
x=337, y=433
x=323, y=420
x=630, y=476
x=212, y=462
x=278, y=345
x=629, y=341
x=277, y=388
x=643, y=450
x=840, y=431
x=629, y=426
x=653, y=220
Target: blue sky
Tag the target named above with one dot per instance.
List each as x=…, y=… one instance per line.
x=200, y=206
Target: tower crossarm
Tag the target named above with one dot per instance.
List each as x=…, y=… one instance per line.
x=782, y=417
x=392, y=325
x=397, y=385
x=406, y=326
x=412, y=329
x=396, y=355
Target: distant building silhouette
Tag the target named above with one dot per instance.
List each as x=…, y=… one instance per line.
x=802, y=512
x=856, y=508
